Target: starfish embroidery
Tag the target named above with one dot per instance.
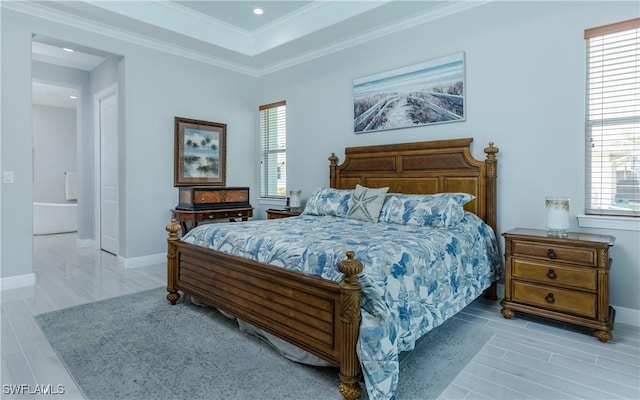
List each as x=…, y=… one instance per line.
x=360, y=202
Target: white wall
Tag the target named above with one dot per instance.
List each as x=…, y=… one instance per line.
x=525, y=91
x=54, y=152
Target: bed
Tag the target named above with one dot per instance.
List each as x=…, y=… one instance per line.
x=323, y=316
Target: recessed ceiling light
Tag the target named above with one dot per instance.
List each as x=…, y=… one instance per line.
x=258, y=11
x=68, y=49
x=73, y=97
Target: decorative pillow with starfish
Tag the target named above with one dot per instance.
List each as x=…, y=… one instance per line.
x=365, y=203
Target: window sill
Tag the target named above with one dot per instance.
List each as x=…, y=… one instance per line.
x=272, y=201
x=609, y=222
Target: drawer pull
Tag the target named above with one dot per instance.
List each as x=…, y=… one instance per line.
x=551, y=253
x=550, y=298
x=551, y=274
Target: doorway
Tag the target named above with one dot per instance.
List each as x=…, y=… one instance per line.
x=96, y=75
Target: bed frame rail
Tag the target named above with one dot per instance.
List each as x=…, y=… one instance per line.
x=319, y=316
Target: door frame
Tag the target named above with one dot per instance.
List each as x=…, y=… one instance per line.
x=97, y=97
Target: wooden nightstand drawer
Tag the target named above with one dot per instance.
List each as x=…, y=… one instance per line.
x=277, y=214
x=559, y=275
x=556, y=253
x=564, y=278
x=553, y=298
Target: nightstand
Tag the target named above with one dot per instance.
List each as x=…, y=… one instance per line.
x=562, y=278
x=276, y=214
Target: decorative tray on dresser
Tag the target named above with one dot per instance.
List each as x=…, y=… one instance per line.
x=206, y=204
x=562, y=278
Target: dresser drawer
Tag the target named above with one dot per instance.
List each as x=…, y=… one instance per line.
x=224, y=214
x=205, y=198
x=221, y=196
x=553, y=298
x=556, y=253
x=553, y=274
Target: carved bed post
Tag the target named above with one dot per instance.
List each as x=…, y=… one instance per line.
x=491, y=201
x=333, y=162
x=350, y=292
x=172, y=261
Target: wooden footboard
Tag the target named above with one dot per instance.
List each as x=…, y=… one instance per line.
x=319, y=316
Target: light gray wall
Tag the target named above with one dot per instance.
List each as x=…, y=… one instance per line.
x=154, y=87
x=54, y=152
x=525, y=91
x=525, y=66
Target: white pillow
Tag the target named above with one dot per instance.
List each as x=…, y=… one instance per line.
x=365, y=203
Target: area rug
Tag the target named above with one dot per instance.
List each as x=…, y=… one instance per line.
x=139, y=347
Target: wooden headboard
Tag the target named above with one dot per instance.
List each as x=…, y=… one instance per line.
x=423, y=168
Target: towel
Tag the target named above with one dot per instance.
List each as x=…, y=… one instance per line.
x=71, y=185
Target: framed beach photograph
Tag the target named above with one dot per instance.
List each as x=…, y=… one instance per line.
x=200, y=153
x=428, y=93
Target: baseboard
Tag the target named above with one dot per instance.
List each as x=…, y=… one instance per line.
x=627, y=316
x=136, y=262
x=19, y=281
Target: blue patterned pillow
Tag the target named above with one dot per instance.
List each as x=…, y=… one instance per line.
x=437, y=210
x=328, y=201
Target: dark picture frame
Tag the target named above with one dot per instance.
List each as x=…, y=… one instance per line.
x=200, y=153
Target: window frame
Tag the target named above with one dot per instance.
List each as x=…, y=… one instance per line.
x=265, y=151
x=596, y=214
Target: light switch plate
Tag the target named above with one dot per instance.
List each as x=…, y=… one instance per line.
x=7, y=177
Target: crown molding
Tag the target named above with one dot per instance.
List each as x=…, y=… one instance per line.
x=416, y=20
x=36, y=10
x=60, y=17
x=185, y=21
x=306, y=20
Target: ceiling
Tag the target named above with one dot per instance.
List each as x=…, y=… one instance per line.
x=228, y=34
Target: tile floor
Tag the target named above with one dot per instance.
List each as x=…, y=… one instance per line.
x=527, y=358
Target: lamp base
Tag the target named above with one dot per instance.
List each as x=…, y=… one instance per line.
x=559, y=233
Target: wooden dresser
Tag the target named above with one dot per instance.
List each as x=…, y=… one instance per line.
x=562, y=278
x=208, y=204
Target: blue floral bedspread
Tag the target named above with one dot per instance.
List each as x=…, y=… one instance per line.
x=414, y=277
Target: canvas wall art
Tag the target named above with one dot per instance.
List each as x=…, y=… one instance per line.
x=422, y=94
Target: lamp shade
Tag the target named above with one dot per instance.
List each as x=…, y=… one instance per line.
x=557, y=215
x=295, y=203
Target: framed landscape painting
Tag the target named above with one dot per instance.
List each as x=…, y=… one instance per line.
x=200, y=153
x=422, y=94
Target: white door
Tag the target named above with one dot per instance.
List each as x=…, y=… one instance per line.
x=108, y=125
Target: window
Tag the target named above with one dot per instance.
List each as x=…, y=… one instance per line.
x=613, y=119
x=273, y=150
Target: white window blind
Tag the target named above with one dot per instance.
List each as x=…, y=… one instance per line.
x=273, y=150
x=613, y=119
